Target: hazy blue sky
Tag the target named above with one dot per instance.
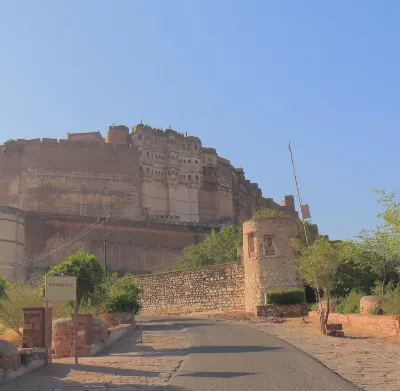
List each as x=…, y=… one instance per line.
x=245, y=76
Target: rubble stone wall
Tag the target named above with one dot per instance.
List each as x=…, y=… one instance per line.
x=216, y=288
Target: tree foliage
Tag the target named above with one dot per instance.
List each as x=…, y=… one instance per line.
x=219, y=247
x=89, y=273
x=318, y=265
x=4, y=285
x=379, y=253
x=122, y=294
x=391, y=212
x=312, y=232
x=19, y=295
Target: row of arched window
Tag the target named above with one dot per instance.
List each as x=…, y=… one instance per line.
x=169, y=140
x=161, y=157
x=169, y=173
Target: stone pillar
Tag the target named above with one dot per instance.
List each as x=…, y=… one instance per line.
x=84, y=334
x=34, y=328
x=268, y=258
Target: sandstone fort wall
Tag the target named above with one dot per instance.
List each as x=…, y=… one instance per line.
x=135, y=245
x=79, y=178
x=148, y=176
x=216, y=288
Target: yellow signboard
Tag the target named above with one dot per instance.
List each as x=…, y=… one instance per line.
x=60, y=288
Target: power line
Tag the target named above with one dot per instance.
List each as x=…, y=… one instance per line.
x=85, y=232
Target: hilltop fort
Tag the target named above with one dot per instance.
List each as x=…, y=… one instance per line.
x=159, y=190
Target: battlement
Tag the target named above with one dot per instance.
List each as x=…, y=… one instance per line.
x=157, y=132
x=22, y=144
x=209, y=150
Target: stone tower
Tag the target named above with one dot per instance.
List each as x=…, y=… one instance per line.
x=268, y=258
x=12, y=241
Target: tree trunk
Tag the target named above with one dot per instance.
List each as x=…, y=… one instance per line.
x=327, y=312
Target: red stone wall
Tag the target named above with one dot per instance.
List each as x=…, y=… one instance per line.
x=81, y=178
x=33, y=328
x=116, y=319
x=136, y=246
x=89, y=331
x=389, y=325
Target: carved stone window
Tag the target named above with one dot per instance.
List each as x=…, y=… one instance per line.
x=140, y=136
x=251, y=244
x=269, y=245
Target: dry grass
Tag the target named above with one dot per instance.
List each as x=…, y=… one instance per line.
x=12, y=336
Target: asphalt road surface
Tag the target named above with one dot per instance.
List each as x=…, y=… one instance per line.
x=232, y=357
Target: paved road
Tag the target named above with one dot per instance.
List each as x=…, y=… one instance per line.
x=230, y=357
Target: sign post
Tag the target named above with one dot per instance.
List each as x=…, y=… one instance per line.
x=62, y=289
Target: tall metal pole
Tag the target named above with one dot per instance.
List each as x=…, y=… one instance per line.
x=302, y=219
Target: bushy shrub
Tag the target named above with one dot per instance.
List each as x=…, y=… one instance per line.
x=19, y=295
x=123, y=295
x=350, y=304
x=314, y=306
x=375, y=311
x=391, y=300
x=285, y=296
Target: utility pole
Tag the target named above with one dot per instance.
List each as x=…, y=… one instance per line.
x=106, y=236
x=306, y=233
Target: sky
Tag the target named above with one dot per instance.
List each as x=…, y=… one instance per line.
x=244, y=76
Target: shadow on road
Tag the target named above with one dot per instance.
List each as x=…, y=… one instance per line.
x=148, y=351
x=174, y=326
x=222, y=375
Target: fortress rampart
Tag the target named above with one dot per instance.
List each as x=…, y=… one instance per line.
x=148, y=176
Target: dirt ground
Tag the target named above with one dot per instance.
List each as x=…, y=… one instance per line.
x=310, y=326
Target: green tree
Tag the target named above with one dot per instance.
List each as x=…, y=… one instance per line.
x=89, y=273
x=352, y=274
x=3, y=287
x=379, y=253
x=312, y=232
x=391, y=212
x=219, y=247
x=318, y=265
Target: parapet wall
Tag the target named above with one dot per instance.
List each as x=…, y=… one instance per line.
x=216, y=288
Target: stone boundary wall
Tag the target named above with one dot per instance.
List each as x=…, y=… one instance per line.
x=283, y=310
x=389, y=325
x=218, y=288
x=16, y=363
x=93, y=334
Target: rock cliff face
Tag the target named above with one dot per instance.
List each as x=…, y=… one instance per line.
x=162, y=183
